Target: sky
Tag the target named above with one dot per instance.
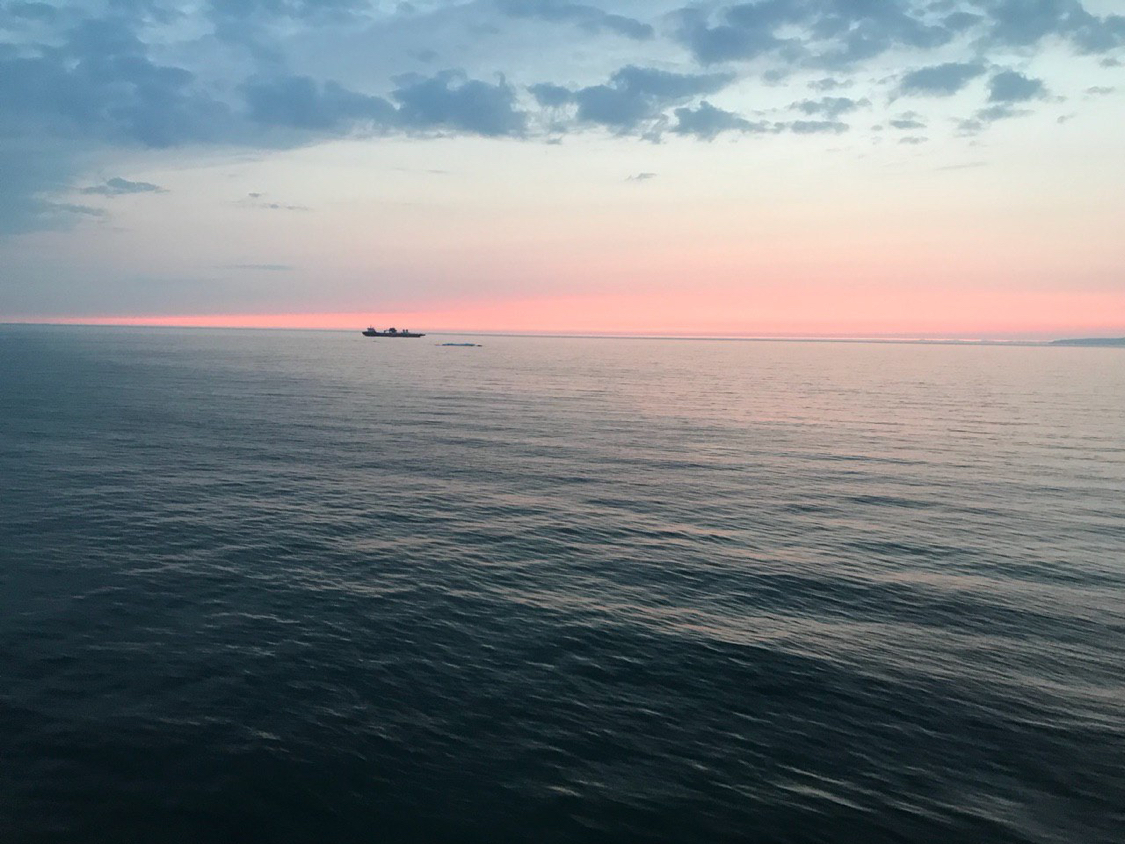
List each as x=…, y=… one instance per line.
x=922, y=168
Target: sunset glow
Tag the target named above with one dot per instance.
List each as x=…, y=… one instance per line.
x=1035, y=316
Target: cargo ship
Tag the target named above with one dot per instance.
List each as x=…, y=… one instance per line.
x=390, y=332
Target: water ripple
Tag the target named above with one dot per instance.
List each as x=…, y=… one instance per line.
x=288, y=587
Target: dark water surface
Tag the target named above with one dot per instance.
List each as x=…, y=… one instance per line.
x=290, y=587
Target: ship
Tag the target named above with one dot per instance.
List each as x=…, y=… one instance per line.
x=390, y=332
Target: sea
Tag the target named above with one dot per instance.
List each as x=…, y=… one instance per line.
x=286, y=586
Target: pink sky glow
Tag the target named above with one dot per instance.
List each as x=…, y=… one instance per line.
x=868, y=312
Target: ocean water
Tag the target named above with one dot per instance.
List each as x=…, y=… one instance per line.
x=307, y=587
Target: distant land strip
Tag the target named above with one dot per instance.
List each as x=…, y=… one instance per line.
x=1090, y=341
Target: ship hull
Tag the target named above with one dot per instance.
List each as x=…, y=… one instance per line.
x=396, y=334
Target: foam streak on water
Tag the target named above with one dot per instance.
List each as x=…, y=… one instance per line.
x=285, y=586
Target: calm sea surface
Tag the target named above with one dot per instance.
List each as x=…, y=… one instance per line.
x=308, y=587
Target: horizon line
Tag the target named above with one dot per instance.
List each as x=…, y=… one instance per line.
x=949, y=339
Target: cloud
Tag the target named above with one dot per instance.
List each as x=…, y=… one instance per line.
x=741, y=33
x=84, y=78
x=825, y=33
x=907, y=120
x=969, y=127
x=259, y=201
x=829, y=107
x=451, y=101
x=120, y=187
x=989, y=115
x=997, y=111
x=665, y=85
x=99, y=83
x=1008, y=86
x=1024, y=23
x=300, y=102
x=641, y=177
x=251, y=22
x=551, y=96
x=636, y=96
x=1021, y=22
x=33, y=11
x=817, y=127
x=940, y=80
x=961, y=21
x=315, y=11
x=707, y=122
x=448, y=101
x=590, y=18
x=844, y=33
x=71, y=208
